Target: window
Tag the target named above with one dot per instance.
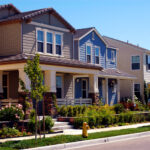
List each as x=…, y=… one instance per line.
x=148, y=62
x=59, y=86
x=49, y=43
x=135, y=62
x=88, y=54
x=58, y=44
x=137, y=90
x=84, y=88
x=112, y=55
x=40, y=41
x=93, y=36
x=97, y=55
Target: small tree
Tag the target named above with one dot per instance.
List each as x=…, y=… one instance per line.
x=34, y=73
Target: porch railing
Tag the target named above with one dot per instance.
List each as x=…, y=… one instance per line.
x=73, y=102
x=4, y=102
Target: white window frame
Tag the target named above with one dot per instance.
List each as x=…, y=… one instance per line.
x=88, y=44
x=58, y=33
x=113, y=56
x=40, y=41
x=98, y=54
x=50, y=43
x=45, y=42
x=139, y=63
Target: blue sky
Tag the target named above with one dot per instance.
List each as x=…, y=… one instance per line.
x=120, y=19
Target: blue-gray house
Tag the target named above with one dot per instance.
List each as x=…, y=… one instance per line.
x=90, y=47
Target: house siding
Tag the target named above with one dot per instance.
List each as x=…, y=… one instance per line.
x=10, y=43
x=76, y=44
x=93, y=42
x=110, y=63
x=68, y=86
x=29, y=36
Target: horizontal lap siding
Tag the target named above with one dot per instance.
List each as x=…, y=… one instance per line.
x=29, y=35
x=76, y=49
x=10, y=35
x=68, y=86
x=93, y=42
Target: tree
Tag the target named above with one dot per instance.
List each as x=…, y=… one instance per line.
x=34, y=73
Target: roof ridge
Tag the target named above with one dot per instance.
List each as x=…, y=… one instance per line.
x=86, y=28
x=126, y=43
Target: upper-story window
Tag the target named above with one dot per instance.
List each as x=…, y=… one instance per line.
x=40, y=41
x=97, y=52
x=148, y=62
x=49, y=43
x=88, y=54
x=112, y=55
x=58, y=44
x=135, y=62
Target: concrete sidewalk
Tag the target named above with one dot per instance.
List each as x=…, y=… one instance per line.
x=78, y=132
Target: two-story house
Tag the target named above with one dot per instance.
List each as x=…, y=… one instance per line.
x=90, y=47
x=134, y=60
x=78, y=65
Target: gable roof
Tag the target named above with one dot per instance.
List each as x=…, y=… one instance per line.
x=9, y=6
x=27, y=16
x=118, y=43
x=81, y=33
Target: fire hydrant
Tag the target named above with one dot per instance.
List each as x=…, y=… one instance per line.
x=84, y=130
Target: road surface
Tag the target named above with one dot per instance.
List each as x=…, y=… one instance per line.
x=130, y=144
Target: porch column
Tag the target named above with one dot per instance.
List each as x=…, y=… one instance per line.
x=132, y=90
x=23, y=76
x=118, y=90
x=106, y=90
x=93, y=89
x=50, y=95
x=1, y=84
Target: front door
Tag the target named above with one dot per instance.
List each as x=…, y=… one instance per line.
x=84, y=88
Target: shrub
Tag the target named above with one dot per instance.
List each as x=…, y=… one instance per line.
x=70, y=111
x=11, y=113
x=62, y=111
x=48, y=123
x=9, y=132
x=78, y=122
x=119, y=108
x=92, y=121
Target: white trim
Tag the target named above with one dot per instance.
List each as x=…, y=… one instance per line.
x=49, y=26
x=131, y=63
x=98, y=54
x=88, y=44
x=45, y=31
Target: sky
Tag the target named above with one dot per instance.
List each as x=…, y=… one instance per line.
x=119, y=19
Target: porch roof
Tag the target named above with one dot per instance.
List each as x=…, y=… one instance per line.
x=115, y=73
x=50, y=60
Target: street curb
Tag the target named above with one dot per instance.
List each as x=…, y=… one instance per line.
x=93, y=142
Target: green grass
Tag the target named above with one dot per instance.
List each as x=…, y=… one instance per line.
x=67, y=138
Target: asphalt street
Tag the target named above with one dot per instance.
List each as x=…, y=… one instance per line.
x=130, y=144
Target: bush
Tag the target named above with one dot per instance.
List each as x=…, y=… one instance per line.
x=48, y=123
x=62, y=111
x=78, y=122
x=70, y=111
x=9, y=132
x=11, y=113
x=119, y=108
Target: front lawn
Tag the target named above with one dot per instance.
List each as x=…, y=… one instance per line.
x=67, y=138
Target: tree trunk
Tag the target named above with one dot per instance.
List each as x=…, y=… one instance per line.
x=36, y=124
x=43, y=104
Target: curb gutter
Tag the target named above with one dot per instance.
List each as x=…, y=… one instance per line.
x=91, y=142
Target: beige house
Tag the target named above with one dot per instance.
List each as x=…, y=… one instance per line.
x=134, y=60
